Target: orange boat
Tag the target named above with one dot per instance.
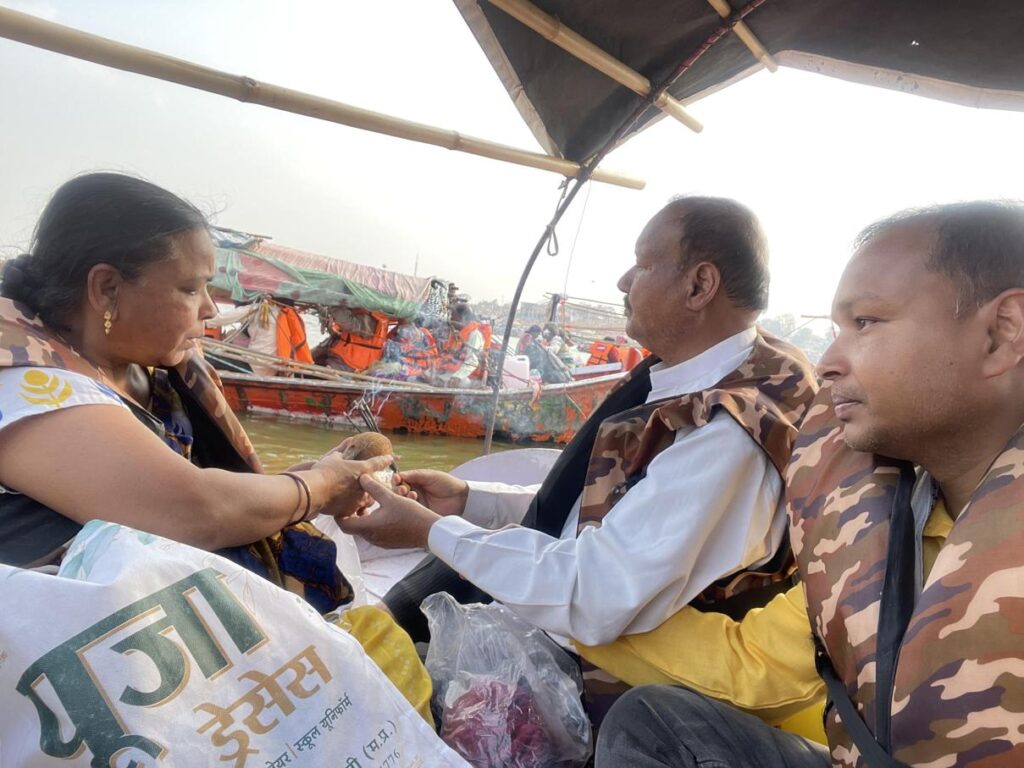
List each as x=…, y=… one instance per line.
x=552, y=414
x=250, y=268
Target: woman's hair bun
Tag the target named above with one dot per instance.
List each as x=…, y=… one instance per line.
x=18, y=281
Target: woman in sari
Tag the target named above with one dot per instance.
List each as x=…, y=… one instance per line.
x=108, y=410
x=105, y=312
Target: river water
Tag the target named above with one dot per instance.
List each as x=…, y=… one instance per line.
x=281, y=442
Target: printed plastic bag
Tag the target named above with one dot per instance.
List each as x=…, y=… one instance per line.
x=149, y=653
x=505, y=694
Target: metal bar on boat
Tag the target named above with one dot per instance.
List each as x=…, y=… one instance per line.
x=30, y=30
x=573, y=43
x=563, y=206
x=748, y=38
x=568, y=299
x=624, y=128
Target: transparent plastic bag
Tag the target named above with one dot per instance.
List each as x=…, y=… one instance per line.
x=505, y=695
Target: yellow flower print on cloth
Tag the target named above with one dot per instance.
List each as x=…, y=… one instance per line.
x=49, y=390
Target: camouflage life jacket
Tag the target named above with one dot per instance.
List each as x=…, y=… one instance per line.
x=767, y=395
x=936, y=682
x=299, y=558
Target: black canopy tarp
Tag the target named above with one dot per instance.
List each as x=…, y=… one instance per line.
x=966, y=52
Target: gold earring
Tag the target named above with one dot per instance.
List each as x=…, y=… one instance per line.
x=107, y=322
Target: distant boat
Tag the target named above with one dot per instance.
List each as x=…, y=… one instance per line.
x=248, y=268
x=553, y=413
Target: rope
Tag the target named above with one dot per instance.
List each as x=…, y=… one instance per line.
x=572, y=251
x=552, y=244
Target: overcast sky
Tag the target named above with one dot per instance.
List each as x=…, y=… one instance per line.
x=816, y=158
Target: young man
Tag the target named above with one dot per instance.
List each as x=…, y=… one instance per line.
x=670, y=494
x=466, y=364
x=907, y=512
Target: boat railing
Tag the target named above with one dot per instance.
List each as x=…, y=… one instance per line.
x=312, y=372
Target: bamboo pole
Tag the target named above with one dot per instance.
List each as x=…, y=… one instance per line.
x=576, y=45
x=319, y=371
x=30, y=30
x=743, y=33
x=578, y=184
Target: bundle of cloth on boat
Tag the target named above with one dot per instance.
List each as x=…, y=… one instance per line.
x=189, y=412
x=152, y=652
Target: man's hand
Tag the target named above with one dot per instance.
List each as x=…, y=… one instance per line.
x=345, y=495
x=438, y=491
x=398, y=522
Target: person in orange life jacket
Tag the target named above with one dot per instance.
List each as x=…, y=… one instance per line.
x=699, y=281
x=468, y=348
x=270, y=327
x=291, y=334
x=912, y=463
x=603, y=352
x=413, y=350
x=426, y=351
x=355, y=340
x=629, y=355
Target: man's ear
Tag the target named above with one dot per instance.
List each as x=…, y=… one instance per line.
x=705, y=280
x=101, y=287
x=1005, y=332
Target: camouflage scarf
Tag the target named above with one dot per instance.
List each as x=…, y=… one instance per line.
x=24, y=340
x=945, y=685
x=767, y=395
x=299, y=558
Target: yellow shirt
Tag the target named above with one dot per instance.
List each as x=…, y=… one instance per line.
x=763, y=664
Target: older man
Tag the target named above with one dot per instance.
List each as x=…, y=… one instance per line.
x=670, y=493
x=907, y=506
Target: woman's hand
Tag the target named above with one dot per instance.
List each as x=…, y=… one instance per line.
x=344, y=494
x=440, y=492
x=302, y=466
x=398, y=522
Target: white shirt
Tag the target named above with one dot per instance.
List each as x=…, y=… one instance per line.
x=556, y=346
x=262, y=338
x=474, y=347
x=710, y=505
